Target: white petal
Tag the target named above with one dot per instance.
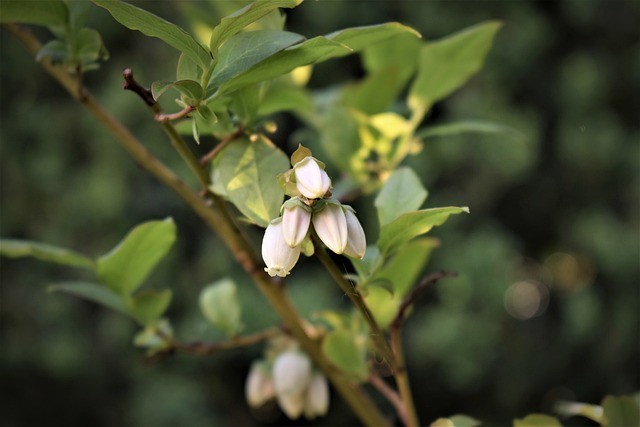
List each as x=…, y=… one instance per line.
x=311, y=180
x=291, y=373
x=356, y=239
x=295, y=224
x=330, y=224
x=279, y=257
x=317, y=401
x=259, y=387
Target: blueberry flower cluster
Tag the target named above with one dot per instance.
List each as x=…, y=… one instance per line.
x=292, y=381
x=310, y=205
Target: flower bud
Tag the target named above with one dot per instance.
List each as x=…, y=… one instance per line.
x=296, y=218
x=316, y=403
x=311, y=180
x=279, y=257
x=356, y=240
x=291, y=377
x=259, y=387
x=330, y=224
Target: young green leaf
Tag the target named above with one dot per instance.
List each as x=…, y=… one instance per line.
x=358, y=38
x=191, y=90
x=401, y=271
x=470, y=126
x=456, y=421
x=89, y=46
x=285, y=96
x=537, y=420
x=234, y=23
x=447, y=64
x=621, y=411
x=345, y=350
x=305, y=53
x=219, y=304
x=402, y=192
x=126, y=266
x=248, y=172
x=149, y=305
x=93, y=292
x=50, y=12
x=413, y=224
x=151, y=25
x=188, y=69
x=15, y=248
x=244, y=50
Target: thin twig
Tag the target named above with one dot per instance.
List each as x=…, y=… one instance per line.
x=402, y=377
x=356, y=297
x=392, y=396
x=164, y=118
x=131, y=84
x=223, y=143
x=409, y=299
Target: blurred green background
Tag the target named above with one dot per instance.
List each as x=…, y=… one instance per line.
x=546, y=305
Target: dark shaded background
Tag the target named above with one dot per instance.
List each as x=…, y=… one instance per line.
x=546, y=305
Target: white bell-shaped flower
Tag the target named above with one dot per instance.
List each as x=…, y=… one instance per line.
x=311, y=179
x=316, y=403
x=279, y=257
x=330, y=224
x=296, y=217
x=259, y=386
x=356, y=240
x=291, y=377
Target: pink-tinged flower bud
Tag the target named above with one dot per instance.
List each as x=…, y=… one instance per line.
x=312, y=181
x=296, y=217
x=259, y=387
x=291, y=376
x=279, y=257
x=356, y=240
x=317, y=402
x=330, y=224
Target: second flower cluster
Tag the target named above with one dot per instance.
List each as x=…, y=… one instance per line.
x=335, y=224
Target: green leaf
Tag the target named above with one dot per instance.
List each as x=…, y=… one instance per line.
x=447, y=64
x=149, y=305
x=285, y=96
x=621, y=411
x=44, y=12
x=470, y=126
x=126, y=266
x=93, y=292
x=155, y=337
x=399, y=52
x=234, y=23
x=57, y=50
x=245, y=50
x=188, y=69
x=456, y=421
x=15, y=248
x=191, y=90
x=347, y=351
x=569, y=409
x=537, y=420
x=151, y=25
x=219, y=304
x=401, y=271
x=375, y=93
x=248, y=172
x=305, y=53
x=90, y=46
x=402, y=192
x=245, y=104
x=413, y=224
x=358, y=38
x=339, y=132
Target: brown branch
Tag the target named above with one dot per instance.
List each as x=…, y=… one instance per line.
x=131, y=84
x=163, y=118
x=392, y=396
x=409, y=299
x=223, y=143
